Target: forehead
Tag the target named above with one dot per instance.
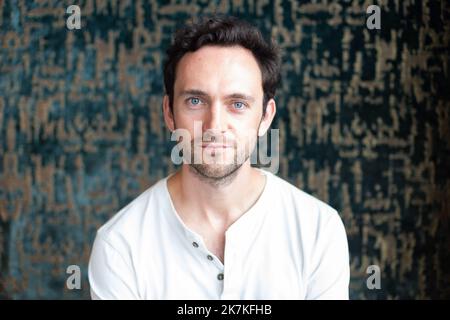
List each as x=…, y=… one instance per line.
x=216, y=69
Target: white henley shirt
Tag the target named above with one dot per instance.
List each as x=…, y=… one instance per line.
x=288, y=245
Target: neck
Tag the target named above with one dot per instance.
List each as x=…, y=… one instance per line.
x=216, y=204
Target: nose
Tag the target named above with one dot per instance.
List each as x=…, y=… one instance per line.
x=216, y=118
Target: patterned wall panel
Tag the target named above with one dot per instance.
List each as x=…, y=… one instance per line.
x=364, y=119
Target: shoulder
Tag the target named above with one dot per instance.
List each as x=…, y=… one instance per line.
x=126, y=223
x=299, y=198
x=316, y=225
x=307, y=209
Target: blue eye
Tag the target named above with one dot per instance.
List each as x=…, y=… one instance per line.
x=195, y=101
x=239, y=105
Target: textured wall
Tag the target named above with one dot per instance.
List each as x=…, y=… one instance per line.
x=363, y=118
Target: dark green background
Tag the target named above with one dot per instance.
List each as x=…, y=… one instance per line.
x=364, y=119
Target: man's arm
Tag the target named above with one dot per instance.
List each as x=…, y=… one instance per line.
x=110, y=275
x=330, y=274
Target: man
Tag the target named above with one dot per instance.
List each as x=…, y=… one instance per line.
x=221, y=229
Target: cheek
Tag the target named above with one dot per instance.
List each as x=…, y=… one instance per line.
x=183, y=121
x=247, y=127
x=246, y=136
x=187, y=118
x=191, y=125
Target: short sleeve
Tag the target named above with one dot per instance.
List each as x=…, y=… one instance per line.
x=110, y=275
x=330, y=273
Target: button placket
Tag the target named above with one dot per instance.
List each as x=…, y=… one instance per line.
x=216, y=262
x=229, y=283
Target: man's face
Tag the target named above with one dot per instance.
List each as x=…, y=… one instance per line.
x=221, y=88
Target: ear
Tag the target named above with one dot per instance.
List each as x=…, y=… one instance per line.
x=266, y=121
x=168, y=114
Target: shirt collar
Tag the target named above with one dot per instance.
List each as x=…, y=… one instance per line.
x=242, y=230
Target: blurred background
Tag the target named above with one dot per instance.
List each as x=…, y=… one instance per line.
x=364, y=119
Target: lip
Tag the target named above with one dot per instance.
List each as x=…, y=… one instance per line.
x=215, y=146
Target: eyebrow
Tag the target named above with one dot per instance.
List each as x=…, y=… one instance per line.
x=201, y=93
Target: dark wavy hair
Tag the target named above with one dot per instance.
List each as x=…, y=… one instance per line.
x=224, y=30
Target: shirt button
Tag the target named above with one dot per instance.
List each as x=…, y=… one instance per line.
x=220, y=276
x=195, y=244
x=210, y=257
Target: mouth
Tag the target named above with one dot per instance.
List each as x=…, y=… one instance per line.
x=215, y=146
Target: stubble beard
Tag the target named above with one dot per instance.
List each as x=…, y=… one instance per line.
x=220, y=174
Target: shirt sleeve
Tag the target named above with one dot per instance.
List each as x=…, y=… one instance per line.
x=110, y=275
x=330, y=276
